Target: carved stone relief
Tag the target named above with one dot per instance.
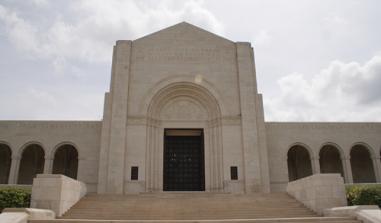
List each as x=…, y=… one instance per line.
x=183, y=109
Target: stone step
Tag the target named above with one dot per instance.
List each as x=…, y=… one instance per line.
x=184, y=215
x=187, y=206
x=268, y=220
x=196, y=217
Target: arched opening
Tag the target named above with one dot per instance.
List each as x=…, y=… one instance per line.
x=184, y=106
x=31, y=164
x=362, y=165
x=5, y=163
x=299, y=163
x=66, y=161
x=330, y=160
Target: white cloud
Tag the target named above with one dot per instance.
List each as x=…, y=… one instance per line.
x=335, y=20
x=40, y=3
x=96, y=25
x=73, y=39
x=69, y=39
x=262, y=38
x=51, y=104
x=20, y=33
x=341, y=92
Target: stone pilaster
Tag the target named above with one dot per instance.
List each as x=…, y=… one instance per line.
x=262, y=142
x=104, y=147
x=114, y=129
x=248, y=94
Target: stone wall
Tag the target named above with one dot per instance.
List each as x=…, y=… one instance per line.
x=83, y=135
x=281, y=136
x=319, y=191
x=56, y=192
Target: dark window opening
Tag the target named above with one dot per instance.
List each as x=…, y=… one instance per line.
x=234, y=173
x=134, y=173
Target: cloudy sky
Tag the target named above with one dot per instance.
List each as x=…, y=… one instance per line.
x=316, y=60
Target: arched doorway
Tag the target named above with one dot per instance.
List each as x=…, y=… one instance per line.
x=330, y=160
x=5, y=162
x=299, y=163
x=31, y=164
x=177, y=107
x=66, y=161
x=362, y=165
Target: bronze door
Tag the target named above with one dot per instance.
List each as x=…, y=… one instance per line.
x=183, y=163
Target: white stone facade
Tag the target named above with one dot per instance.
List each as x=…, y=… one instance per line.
x=184, y=77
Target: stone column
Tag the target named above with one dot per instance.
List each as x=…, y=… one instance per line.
x=347, y=170
x=81, y=162
x=377, y=168
x=315, y=165
x=13, y=173
x=48, y=165
x=343, y=165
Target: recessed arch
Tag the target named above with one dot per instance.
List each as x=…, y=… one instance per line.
x=330, y=159
x=26, y=145
x=31, y=163
x=177, y=80
x=185, y=90
x=341, y=151
x=298, y=162
x=372, y=153
x=53, y=151
x=5, y=162
x=305, y=146
x=66, y=160
x=184, y=105
x=362, y=164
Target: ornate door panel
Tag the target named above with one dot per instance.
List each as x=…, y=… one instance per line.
x=184, y=163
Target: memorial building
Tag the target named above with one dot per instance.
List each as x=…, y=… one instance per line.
x=184, y=114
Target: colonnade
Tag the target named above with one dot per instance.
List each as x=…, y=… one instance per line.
x=21, y=168
x=360, y=165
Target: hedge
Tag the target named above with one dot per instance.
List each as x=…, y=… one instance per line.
x=14, y=198
x=364, y=195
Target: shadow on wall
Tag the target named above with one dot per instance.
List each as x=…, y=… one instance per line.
x=5, y=163
x=299, y=163
x=32, y=162
x=331, y=161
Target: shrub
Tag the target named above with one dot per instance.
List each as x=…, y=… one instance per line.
x=364, y=195
x=14, y=198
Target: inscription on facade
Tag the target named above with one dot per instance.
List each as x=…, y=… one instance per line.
x=186, y=54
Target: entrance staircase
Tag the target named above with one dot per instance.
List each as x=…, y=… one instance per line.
x=192, y=207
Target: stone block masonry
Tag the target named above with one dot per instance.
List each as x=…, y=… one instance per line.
x=319, y=191
x=56, y=192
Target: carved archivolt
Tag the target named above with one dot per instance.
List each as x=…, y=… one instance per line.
x=184, y=99
x=183, y=109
